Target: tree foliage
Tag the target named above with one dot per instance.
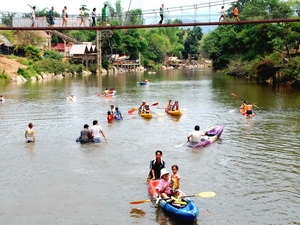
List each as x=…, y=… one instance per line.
x=249, y=43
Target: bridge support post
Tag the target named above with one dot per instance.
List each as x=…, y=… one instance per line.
x=99, y=51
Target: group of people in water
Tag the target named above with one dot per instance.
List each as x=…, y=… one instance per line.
x=168, y=186
x=93, y=134
x=114, y=114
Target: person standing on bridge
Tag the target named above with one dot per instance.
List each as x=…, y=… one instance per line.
x=104, y=21
x=82, y=16
x=161, y=13
x=236, y=13
x=93, y=17
x=64, y=16
x=222, y=14
x=32, y=16
x=51, y=16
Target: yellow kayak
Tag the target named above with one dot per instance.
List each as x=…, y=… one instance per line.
x=146, y=115
x=174, y=113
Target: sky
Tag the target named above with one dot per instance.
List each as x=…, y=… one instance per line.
x=73, y=6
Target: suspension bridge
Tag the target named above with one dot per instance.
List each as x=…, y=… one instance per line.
x=203, y=14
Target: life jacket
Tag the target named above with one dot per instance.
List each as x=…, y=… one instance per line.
x=110, y=118
x=175, y=107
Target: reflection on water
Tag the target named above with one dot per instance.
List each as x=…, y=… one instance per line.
x=253, y=167
x=137, y=213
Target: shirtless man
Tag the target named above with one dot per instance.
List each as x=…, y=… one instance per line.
x=30, y=133
x=249, y=108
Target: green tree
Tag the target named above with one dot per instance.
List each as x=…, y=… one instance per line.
x=192, y=42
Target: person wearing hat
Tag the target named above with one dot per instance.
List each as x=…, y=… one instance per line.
x=30, y=133
x=164, y=187
x=155, y=166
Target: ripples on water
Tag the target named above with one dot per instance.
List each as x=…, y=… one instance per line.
x=253, y=168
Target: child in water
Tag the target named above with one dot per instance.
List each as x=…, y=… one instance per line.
x=110, y=117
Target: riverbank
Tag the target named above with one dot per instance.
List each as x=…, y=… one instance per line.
x=10, y=66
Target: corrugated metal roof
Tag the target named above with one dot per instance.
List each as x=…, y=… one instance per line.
x=5, y=42
x=78, y=49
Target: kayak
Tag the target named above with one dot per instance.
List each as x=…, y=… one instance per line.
x=174, y=113
x=146, y=115
x=110, y=94
x=212, y=134
x=143, y=82
x=182, y=212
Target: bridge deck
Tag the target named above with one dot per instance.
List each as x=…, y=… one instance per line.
x=224, y=23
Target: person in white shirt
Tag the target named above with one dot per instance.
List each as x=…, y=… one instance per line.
x=195, y=136
x=82, y=17
x=32, y=16
x=96, y=131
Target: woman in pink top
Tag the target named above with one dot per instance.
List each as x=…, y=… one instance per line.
x=164, y=187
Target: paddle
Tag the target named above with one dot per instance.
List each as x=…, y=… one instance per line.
x=206, y=194
x=235, y=95
x=159, y=114
x=181, y=145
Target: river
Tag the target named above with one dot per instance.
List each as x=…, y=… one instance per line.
x=253, y=168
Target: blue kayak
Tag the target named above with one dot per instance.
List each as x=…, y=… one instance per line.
x=184, y=213
x=180, y=213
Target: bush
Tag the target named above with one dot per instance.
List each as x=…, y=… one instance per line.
x=27, y=72
x=3, y=77
x=53, y=55
x=291, y=70
x=105, y=64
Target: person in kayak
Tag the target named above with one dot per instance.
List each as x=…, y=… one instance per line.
x=164, y=186
x=243, y=107
x=195, y=136
x=249, y=108
x=175, y=107
x=142, y=107
x=169, y=106
x=175, y=179
x=147, y=109
x=155, y=166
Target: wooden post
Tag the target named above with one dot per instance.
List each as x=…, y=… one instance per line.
x=99, y=51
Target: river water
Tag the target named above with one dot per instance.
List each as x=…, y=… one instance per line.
x=253, y=168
